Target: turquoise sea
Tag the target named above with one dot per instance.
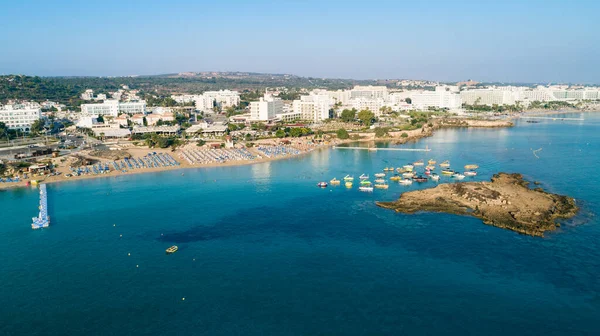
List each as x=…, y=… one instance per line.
x=263, y=251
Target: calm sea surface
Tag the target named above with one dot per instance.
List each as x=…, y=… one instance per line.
x=263, y=251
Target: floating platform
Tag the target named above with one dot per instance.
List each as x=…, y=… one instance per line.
x=42, y=220
x=386, y=149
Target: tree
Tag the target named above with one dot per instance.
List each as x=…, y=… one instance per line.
x=366, y=117
x=348, y=115
x=280, y=133
x=100, y=119
x=145, y=121
x=342, y=134
x=200, y=143
x=404, y=135
x=37, y=126
x=381, y=132
x=295, y=132
x=408, y=100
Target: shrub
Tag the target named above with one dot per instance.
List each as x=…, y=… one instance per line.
x=404, y=135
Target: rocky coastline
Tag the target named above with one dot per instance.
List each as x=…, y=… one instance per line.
x=506, y=202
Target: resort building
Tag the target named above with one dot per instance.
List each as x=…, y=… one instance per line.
x=20, y=116
x=113, y=107
x=314, y=107
x=266, y=108
x=373, y=105
x=446, y=97
x=210, y=99
x=369, y=92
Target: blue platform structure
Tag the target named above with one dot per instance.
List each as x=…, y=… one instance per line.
x=42, y=220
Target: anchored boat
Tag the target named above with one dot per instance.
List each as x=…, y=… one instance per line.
x=431, y=162
x=471, y=166
x=418, y=163
x=382, y=186
x=434, y=177
x=365, y=188
x=348, y=184
x=445, y=164
x=322, y=184
x=363, y=177
x=470, y=173
x=334, y=181
x=172, y=249
x=348, y=178
x=405, y=181
x=380, y=175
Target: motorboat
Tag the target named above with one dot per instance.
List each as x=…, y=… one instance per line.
x=334, y=181
x=380, y=181
x=418, y=163
x=322, y=184
x=365, y=182
x=427, y=172
x=365, y=189
x=430, y=167
x=408, y=175
x=380, y=175
x=363, y=177
x=382, y=186
x=470, y=173
x=172, y=249
x=471, y=167
x=348, y=178
x=395, y=178
x=408, y=167
x=445, y=164
x=420, y=178
x=405, y=181
x=434, y=177
x=348, y=184
x=458, y=176
x=448, y=172
x=431, y=162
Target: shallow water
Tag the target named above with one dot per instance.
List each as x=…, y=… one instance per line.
x=263, y=251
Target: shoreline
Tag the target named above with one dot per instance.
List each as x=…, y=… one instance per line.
x=413, y=136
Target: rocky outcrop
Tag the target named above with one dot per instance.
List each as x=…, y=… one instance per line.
x=506, y=202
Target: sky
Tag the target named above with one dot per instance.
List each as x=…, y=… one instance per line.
x=485, y=40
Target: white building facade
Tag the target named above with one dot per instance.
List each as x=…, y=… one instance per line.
x=114, y=107
x=20, y=116
x=266, y=108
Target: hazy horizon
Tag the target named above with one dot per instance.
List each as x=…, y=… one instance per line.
x=508, y=41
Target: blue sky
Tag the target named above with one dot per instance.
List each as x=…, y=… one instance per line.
x=509, y=40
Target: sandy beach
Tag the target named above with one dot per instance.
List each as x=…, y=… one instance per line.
x=299, y=144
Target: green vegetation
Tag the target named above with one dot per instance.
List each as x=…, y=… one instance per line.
x=155, y=140
x=348, y=115
x=494, y=108
x=366, y=117
x=404, y=135
x=381, y=132
x=200, y=143
x=551, y=105
x=342, y=134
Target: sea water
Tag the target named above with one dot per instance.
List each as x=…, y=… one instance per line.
x=262, y=250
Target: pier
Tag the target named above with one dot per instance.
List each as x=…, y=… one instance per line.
x=42, y=220
x=387, y=149
x=553, y=118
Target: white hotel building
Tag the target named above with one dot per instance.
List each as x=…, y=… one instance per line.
x=443, y=97
x=314, y=107
x=206, y=101
x=266, y=108
x=20, y=116
x=114, y=107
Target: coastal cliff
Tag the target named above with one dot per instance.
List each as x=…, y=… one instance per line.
x=505, y=202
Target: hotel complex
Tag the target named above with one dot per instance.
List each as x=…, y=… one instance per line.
x=20, y=116
x=113, y=108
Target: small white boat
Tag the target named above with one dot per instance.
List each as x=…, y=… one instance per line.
x=458, y=176
x=470, y=173
x=348, y=178
x=408, y=175
x=379, y=181
x=408, y=167
x=364, y=177
x=365, y=188
x=434, y=177
x=418, y=163
x=380, y=175
x=382, y=186
x=405, y=181
x=322, y=184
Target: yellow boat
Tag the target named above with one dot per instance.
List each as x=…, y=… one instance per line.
x=395, y=178
x=445, y=164
x=431, y=162
x=172, y=249
x=447, y=172
x=388, y=169
x=348, y=184
x=382, y=186
x=400, y=170
x=430, y=167
x=334, y=181
x=471, y=166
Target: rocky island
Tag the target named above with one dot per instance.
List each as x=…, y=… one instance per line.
x=506, y=202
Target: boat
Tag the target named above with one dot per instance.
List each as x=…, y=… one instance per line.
x=418, y=163
x=420, y=178
x=380, y=181
x=365, y=188
x=458, y=176
x=430, y=167
x=365, y=182
x=408, y=175
x=431, y=162
x=405, y=181
x=334, y=181
x=408, y=167
x=363, y=177
x=172, y=249
x=448, y=172
x=471, y=167
x=380, y=175
x=348, y=178
x=434, y=177
x=400, y=170
x=348, y=184
x=382, y=186
x=388, y=169
x=427, y=172
x=445, y=164
x=322, y=184
x=395, y=178
x=470, y=173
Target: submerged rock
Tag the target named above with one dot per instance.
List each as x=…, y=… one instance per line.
x=505, y=202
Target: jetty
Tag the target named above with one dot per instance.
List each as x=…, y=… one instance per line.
x=386, y=149
x=42, y=220
x=552, y=118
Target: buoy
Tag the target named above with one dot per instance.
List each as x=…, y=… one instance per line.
x=120, y=235
x=137, y=266
x=114, y=224
x=128, y=254
x=194, y=259
x=182, y=299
